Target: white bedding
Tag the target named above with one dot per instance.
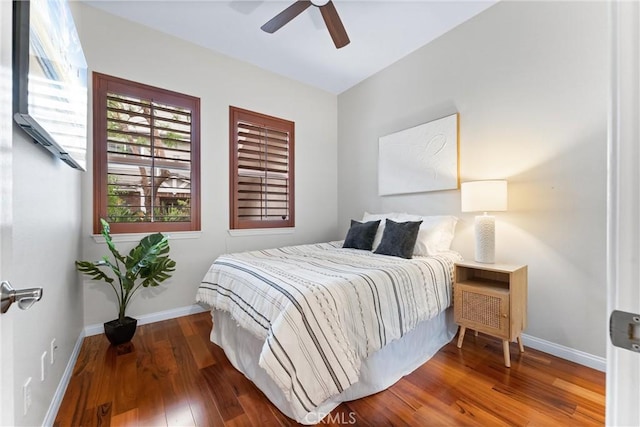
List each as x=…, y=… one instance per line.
x=320, y=310
x=377, y=372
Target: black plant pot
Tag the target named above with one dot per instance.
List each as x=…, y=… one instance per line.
x=118, y=332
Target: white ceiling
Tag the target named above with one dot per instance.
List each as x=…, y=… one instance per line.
x=381, y=32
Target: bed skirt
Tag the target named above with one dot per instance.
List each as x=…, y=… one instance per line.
x=378, y=372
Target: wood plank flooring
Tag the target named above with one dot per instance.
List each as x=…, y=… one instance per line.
x=172, y=375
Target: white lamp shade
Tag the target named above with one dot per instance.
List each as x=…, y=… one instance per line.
x=484, y=196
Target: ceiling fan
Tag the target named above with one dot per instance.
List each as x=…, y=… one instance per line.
x=329, y=14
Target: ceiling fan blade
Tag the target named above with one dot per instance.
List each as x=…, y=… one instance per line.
x=334, y=25
x=285, y=16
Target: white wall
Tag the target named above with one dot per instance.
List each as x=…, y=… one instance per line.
x=40, y=241
x=44, y=241
x=6, y=139
x=131, y=51
x=529, y=80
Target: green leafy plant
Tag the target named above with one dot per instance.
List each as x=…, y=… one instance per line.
x=147, y=264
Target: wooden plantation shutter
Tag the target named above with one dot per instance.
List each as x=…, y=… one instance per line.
x=262, y=170
x=146, y=162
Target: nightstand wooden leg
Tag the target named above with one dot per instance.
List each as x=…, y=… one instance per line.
x=520, y=344
x=507, y=355
x=461, y=336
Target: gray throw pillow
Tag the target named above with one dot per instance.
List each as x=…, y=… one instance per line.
x=361, y=235
x=399, y=238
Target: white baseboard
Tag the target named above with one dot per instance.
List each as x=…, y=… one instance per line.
x=98, y=328
x=50, y=416
x=567, y=353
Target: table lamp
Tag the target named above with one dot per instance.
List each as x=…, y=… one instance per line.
x=484, y=196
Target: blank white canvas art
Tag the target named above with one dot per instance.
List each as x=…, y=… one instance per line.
x=419, y=159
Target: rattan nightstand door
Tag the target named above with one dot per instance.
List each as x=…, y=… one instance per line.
x=483, y=309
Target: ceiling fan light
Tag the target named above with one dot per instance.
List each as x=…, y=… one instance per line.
x=319, y=3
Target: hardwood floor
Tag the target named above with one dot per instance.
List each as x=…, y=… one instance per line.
x=172, y=375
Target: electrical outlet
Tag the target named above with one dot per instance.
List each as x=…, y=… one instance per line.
x=26, y=395
x=43, y=366
x=54, y=351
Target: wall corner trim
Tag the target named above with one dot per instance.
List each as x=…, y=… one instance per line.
x=567, y=353
x=52, y=412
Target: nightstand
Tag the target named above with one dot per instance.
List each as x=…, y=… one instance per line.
x=491, y=298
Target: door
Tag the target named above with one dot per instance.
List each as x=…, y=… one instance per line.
x=623, y=210
x=6, y=185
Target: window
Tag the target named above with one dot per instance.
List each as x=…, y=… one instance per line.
x=146, y=157
x=262, y=170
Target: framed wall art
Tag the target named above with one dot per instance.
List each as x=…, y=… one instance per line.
x=420, y=159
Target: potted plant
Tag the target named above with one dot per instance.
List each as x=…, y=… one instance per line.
x=147, y=264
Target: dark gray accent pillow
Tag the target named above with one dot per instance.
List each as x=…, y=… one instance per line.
x=399, y=238
x=361, y=235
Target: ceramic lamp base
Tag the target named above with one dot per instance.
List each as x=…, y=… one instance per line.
x=485, y=229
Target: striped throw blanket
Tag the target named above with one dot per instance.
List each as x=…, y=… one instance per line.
x=322, y=309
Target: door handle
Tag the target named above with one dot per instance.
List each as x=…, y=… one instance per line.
x=25, y=297
x=624, y=330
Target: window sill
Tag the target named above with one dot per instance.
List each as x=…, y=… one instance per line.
x=135, y=237
x=261, y=231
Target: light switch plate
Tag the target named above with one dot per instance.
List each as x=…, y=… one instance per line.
x=26, y=395
x=43, y=366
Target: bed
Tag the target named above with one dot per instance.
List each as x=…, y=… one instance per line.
x=315, y=325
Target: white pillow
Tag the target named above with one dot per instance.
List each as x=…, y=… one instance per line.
x=383, y=219
x=435, y=235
